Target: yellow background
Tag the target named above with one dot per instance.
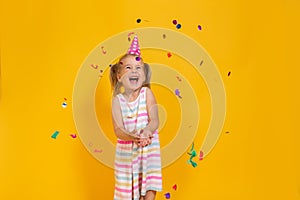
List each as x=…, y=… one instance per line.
x=44, y=43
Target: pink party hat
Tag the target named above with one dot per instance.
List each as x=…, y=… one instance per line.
x=134, y=47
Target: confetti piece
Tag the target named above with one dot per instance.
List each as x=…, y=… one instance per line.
x=199, y=28
x=169, y=54
x=73, y=135
x=178, y=78
x=54, y=135
x=94, y=66
x=110, y=65
x=174, y=187
x=138, y=20
x=201, y=155
x=227, y=132
x=178, y=26
x=229, y=73
x=201, y=62
x=164, y=36
x=137, y=58
x=192, y=154
x=98, y=151
x=177, y=93
x=129, y=34
x=174, y=21
x=65, y=99
x=103, y=51
x=168, y=195
x=64, y=104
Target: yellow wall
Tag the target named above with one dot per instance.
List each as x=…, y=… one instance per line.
x=43, y=45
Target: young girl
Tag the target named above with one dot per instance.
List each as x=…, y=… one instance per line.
x=135, y=120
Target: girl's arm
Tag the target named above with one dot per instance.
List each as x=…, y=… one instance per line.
x=152, y=112
x=119, y=128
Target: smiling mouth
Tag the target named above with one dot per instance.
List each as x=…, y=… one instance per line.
x=133, y=79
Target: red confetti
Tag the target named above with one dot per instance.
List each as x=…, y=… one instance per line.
x=169, y=54
x=229, y=73
x=174, y=21
x=73, y=135
x=174, y=187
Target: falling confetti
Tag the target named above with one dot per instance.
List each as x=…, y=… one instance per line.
x=103, y=51
x=164, y=36
x=94, y=66
x=64, y=104
x=201, y=155
x=137, y=58
x=229, y=73
x=168, y=195
x=192, y=154
x=54, y=135
x=98, y=151
x=227, y=132
x=178, y=78
x=174, y=21
x=138, y=20
x=201, y=62
x=178, y=26
x=65, y=99
x=199, y=28
x=73, y=135
x=177, y=93
x=174, y=187
x=169, y=54
x=129, y=34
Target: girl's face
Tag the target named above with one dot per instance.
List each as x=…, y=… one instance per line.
x=131, y=74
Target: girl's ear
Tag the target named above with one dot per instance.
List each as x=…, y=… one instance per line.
x=118, y=77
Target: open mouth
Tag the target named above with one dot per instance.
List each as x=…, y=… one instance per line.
x=133, y=79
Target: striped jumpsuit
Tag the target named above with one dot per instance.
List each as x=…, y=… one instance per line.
x=137, y=169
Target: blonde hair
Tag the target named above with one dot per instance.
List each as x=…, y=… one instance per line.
x=115, y=69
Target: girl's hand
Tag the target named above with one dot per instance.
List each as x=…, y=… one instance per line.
x=145, y=137
x=144, y=133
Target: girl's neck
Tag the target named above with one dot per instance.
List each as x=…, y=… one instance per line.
x=131, y=95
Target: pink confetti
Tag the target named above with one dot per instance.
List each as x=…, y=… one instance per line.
x=98, y=151
x=73, y=135
x=201, y=155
